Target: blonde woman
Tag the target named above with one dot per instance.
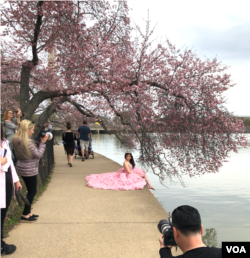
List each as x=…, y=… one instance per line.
x=28, y=153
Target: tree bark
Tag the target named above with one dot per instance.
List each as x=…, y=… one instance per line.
x=43, y=118
x=49, y=111
x=24, y=89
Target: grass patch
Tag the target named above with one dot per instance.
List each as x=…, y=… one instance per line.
x=15, y=211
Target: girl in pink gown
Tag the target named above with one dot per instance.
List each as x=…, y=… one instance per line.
x=128, y=177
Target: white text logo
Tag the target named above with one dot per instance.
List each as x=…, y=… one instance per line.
x=236, y=249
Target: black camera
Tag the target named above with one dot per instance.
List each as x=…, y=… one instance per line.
x=166, y=228
x=42, y=132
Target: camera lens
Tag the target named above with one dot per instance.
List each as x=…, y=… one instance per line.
x=163, y=226
x=50, y=135
x=166, y=229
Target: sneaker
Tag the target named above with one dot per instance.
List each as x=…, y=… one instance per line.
x=70, y=164
x=83, y=159
x=87, y=157
x=8, y=249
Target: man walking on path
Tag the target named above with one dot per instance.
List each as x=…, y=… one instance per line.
x=84, y=133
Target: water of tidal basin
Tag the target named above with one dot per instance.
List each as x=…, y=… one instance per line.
x=223, y=199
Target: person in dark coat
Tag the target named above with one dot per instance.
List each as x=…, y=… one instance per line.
x=69, y=139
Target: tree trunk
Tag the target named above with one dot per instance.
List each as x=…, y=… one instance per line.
x=43, y=118
x=24, y=90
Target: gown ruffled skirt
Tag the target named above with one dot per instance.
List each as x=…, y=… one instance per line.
x=120, y=180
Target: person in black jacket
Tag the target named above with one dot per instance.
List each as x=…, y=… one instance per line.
x=188, y=230
x=69, y=139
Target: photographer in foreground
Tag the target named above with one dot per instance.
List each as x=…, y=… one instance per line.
x=187, y=231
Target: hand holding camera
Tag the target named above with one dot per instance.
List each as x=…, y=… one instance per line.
x=44, y=138
x=167, y=239
x=161, y=240
x=45, y=135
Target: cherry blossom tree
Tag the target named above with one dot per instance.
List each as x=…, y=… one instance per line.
x=32, y=29
x=166, y=103
x=175, y=106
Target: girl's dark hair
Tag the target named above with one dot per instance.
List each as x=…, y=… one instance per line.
x=68, y=125
x=132, y=162
x=2, y=133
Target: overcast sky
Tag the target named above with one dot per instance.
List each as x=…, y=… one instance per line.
x=214, y=27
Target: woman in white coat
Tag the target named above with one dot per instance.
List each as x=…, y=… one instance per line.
x=8, y=177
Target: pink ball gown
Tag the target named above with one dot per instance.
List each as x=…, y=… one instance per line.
x=120, y=180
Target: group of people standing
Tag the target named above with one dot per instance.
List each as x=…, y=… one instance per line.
x=69, y=138
x=20, y=145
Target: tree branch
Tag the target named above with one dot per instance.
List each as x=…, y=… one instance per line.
x=6, y=81
x=36, y=33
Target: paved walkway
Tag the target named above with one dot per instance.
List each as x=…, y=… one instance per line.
x=78, y=221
